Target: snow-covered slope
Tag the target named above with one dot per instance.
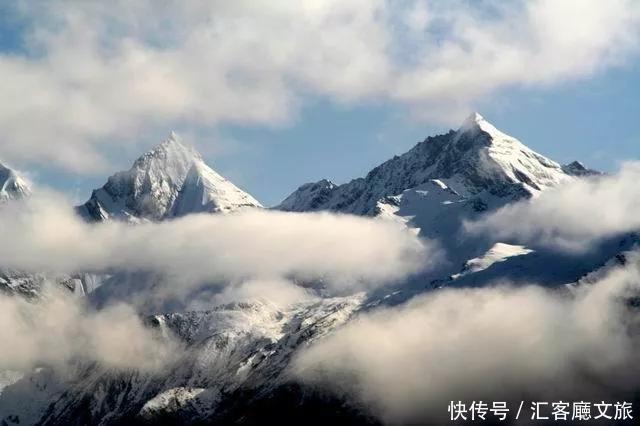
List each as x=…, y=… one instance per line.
x=498, y=253
x=436, y=212
x=12, y=185
x=233, y=350
x=170, y=180
x=470, y=160
x=525, y=265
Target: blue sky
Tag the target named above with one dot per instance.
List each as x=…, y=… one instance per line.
x=82, y=104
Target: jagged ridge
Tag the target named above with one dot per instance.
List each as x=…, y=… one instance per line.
x=470, y=160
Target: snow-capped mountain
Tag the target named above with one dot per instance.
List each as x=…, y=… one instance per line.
x=234, y=370
x=236, y=356
x=468, y=161
x=12, y=185
x=449, y=179
x=169, y=181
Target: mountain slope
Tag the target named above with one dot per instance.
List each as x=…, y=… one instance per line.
x=12, y=185
x=232, y=349
x=470, y=160
x=170, y=180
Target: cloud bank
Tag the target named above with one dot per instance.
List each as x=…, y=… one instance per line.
x=572, y=217
x=92, y=74
x=252, y=255
x=492, y=344
x=346, y=253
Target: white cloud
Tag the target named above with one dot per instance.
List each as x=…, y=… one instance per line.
x=251, y=255
x=492, y=344
x=572, y=217
x=347, y=253
x=59, y=329
x=95, y=74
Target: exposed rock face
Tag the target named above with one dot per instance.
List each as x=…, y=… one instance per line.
x=576, y=168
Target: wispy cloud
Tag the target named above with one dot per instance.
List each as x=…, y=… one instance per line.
x=59, y=329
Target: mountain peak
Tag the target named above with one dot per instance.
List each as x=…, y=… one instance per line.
x=12, y=185
x=473, y=118
x=175, y=142
x=170, y=180
x=172, y=149
x=308, y=196
x=474, y=159
x=475, y=123
x=576, y=168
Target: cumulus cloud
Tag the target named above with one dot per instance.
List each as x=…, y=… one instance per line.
x=92, y=74
x=60, y=329
x=571, y=217
x=346, y=253
x=492, y=344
